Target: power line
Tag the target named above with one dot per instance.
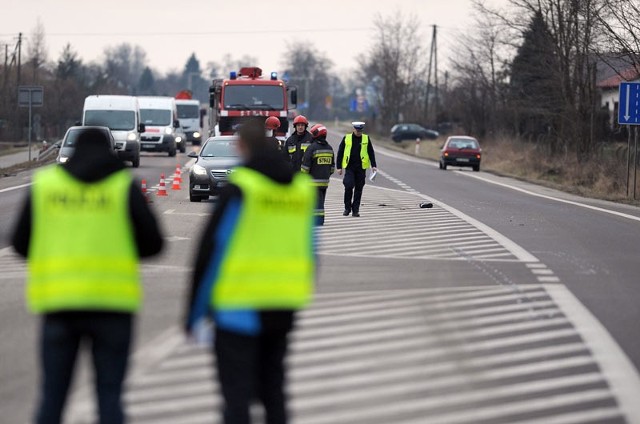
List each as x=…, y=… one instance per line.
x=172, y=34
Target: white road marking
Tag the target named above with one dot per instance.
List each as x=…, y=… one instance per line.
x=4, y=190
x=548, y=279
x=614, y=363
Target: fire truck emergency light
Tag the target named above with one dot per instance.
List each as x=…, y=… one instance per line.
x=232, y=75
x=274, y=76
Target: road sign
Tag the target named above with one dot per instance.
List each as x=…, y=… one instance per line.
x=30, y=96
x=629, y=103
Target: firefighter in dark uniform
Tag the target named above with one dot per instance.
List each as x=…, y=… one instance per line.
x=319, y=162
x=298, y=142
x=355, y=156
x=271, y=125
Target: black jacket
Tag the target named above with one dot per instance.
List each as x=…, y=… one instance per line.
x=319, y=167
x=270, y=163
x=294, y=148
x=92, y=162
x=355, y=162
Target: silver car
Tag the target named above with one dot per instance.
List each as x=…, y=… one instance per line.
x=217, y=157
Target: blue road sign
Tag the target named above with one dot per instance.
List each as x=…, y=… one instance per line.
x=629, y=103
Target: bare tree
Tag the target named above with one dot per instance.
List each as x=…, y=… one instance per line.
x=396, y=67
x=37, y=49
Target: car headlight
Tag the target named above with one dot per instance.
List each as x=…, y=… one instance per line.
x=178, y=139
x=196, y=134
x=63, y=159
x=168, y=130
x=132, y=136
x=199, y=170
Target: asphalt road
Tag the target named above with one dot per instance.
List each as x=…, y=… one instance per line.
x=502, y=286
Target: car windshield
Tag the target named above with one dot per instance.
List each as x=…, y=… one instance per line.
x=220, y=148
x=244, y=97
x=160, y=117
x=461, y=143
x=188, y=112
x=71, y=138
x=115, y=120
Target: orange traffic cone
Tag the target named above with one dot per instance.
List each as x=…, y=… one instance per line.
x=145, y=193
x=176, y=183
x=178, y=173
x=162, y=189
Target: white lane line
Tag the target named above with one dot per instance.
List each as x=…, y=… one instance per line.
x=556, y=199
x=4, y=190
x=334, y=400
x=6, y=251
x=536, y=265
x=202, y=401
x=621, y=374
x=592, y=416
x=548, y=279
x=542, y=271
x=346, y=381
x=510, y=245
x=392, y=409
x=162, y=393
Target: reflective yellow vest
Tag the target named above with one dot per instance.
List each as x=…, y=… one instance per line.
x=253, y=274
x=364, y=151
x=82, y=253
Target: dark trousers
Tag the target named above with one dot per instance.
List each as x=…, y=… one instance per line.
x=61, y=337
x=250, y=367
x=353, y=184
x=319, y=213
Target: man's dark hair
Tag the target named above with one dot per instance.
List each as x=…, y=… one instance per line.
x=252, y=133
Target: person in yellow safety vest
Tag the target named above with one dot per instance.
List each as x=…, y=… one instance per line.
x=355, y=156
x=298, y=142
x=241, y=282
x=83, y=229
x=319, y=162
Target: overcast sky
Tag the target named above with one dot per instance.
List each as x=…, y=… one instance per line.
x=169, y=31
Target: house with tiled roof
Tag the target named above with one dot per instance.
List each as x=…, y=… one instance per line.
x=611, y=70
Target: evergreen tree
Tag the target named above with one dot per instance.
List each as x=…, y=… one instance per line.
x=147, y=84
x=68, y=65
x=535, y=82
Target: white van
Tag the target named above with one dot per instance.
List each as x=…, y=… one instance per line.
x=121, y=115
x=162, y=129
x=189, y=117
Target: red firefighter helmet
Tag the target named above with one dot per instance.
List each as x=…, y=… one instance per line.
x=300, y=119
x=318, y=130
x=272, y=123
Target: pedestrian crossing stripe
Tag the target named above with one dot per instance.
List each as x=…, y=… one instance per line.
x=444, y=355
x=392, y=225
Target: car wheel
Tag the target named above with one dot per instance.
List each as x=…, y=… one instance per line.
x=183, y=148
x=440, y=165
x=195, y=198
x=444, y=166
x=476, y=168
x=136, y=162
x=172, y=153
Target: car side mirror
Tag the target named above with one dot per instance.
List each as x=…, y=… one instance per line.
x=141, y=128
x=176, y=124
x=192, y=155
x=293, y=96
x=78, y=123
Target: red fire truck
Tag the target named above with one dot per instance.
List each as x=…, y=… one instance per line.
x=246, y=94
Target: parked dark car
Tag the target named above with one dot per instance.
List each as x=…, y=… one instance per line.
x=214, y=163
x=68, y=143
x=461, y=150
x=401, y=132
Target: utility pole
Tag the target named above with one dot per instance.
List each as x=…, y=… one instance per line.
x=433, y=60
x=19, y=57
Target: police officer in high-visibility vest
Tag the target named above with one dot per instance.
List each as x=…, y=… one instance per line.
x=355, y=156
x=83, y=229
x=241, y=281
x=318, y=161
